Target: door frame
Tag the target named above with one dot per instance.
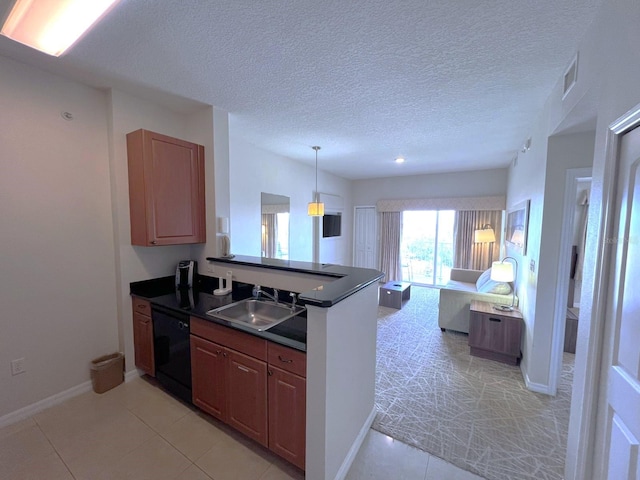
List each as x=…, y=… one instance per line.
x=588, y=389
x=574, y=175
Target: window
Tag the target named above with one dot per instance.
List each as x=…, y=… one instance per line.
x=426, y=247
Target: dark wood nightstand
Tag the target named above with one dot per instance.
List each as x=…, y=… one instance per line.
x=495, y=334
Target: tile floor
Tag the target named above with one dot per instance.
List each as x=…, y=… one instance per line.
x=136, y=431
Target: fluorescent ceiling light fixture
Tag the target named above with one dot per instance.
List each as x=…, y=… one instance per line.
x=399, y=160
x=52, y=26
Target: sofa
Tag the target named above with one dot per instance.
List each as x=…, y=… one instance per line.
x=456, y=296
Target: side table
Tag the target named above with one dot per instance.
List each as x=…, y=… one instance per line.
x=393, y=294
x=495, y=334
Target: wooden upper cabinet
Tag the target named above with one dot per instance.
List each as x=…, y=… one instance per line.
x=166, y=190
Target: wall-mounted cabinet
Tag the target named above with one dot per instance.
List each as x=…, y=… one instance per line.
x=166, y=190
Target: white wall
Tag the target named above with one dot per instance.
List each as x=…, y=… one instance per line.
x=537, y=288
x=456, y=184
x=58, y=290
x=134, y=263
x=252, y=171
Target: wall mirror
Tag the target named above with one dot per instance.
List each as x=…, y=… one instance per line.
x=275, y=226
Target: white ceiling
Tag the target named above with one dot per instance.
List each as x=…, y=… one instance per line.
x=448, y=84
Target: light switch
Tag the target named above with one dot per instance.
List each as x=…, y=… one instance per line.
x=532, y=266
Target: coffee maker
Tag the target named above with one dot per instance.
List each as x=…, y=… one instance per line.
x=186, y=273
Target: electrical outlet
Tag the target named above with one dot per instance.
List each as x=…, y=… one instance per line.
x=532, y=266
x=209, y=268
x=17, y=366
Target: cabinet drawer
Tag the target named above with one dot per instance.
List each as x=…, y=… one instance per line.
x=239, y=341
x=288, y=359
x=141, y=306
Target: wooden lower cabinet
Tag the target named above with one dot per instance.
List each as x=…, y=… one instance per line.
x=230, y=386
x=260, y=392
x=208, y=377
x=143, y=336
x=287, y=415
x=247, y=396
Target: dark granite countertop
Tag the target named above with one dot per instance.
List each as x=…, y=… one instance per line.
x=348, y=280
x=199, y=300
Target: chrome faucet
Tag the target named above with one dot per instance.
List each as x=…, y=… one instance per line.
x=257, y=291
x=294, y=298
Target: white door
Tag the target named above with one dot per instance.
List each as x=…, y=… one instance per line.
x=619, y=432
x=364, y=251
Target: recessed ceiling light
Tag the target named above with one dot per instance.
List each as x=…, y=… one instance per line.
x=52, y=26
x=399, y=160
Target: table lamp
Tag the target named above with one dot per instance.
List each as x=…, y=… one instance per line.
x=503, y=271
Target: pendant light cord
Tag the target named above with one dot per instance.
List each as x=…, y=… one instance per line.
x=316, y=148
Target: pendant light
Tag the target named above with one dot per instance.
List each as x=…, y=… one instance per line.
x=316, y=208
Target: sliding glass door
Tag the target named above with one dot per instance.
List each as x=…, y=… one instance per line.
x=426, y=247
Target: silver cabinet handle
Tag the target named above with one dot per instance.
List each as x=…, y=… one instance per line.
x=153, y=242
x=244, y=369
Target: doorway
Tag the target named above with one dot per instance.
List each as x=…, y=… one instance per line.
x=578, y=181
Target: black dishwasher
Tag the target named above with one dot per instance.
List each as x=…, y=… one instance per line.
x=172, y=351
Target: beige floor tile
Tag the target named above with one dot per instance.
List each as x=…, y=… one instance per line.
x=159, y=410
x=155, y=460
x=281, y=470
x=21, y=449
x=193, y=435
x=89, y=452
x=382, y=457
x=231, y=459
x=438, y=469
x=76, y=415
x=49, y=467
x=194, y=473
x=16, y=427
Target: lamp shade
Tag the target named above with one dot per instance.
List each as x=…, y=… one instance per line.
x=484, y=235
x=315, y=209
x=517, y=238
x=502, y=272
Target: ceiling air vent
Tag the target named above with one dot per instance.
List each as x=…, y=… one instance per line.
x=570, y=77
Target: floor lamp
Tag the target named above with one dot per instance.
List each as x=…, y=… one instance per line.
x=486, y=235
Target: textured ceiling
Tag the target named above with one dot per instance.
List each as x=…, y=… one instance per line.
x=448, y=84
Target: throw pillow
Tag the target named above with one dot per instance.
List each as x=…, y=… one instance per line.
x=483, y=278
x=492, y=286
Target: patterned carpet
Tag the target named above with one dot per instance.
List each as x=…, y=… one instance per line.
x=472, y=412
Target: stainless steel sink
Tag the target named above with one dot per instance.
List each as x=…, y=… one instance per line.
x=257, y=314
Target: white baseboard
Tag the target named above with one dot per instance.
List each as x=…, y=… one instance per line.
x=132, y=375
x=353, y=451
x=56, y=399
x=34, y=408
x=536, y=387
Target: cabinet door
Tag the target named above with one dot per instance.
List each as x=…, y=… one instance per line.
x=287, y=415
x=495, y=333
x=247, y=396
x=143, y=343
x=208, y=376
x=166, y=190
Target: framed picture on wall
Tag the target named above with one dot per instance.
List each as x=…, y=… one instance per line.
x=516, y=228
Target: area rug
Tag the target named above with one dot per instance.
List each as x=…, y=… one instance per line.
x=472, y=412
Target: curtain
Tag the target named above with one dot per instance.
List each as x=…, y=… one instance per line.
x=467, y=253
x=269, y=235
x=390, y=234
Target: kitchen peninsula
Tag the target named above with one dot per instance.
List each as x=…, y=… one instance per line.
x=341, y=351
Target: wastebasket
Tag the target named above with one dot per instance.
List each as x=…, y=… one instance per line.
x=107, y=372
